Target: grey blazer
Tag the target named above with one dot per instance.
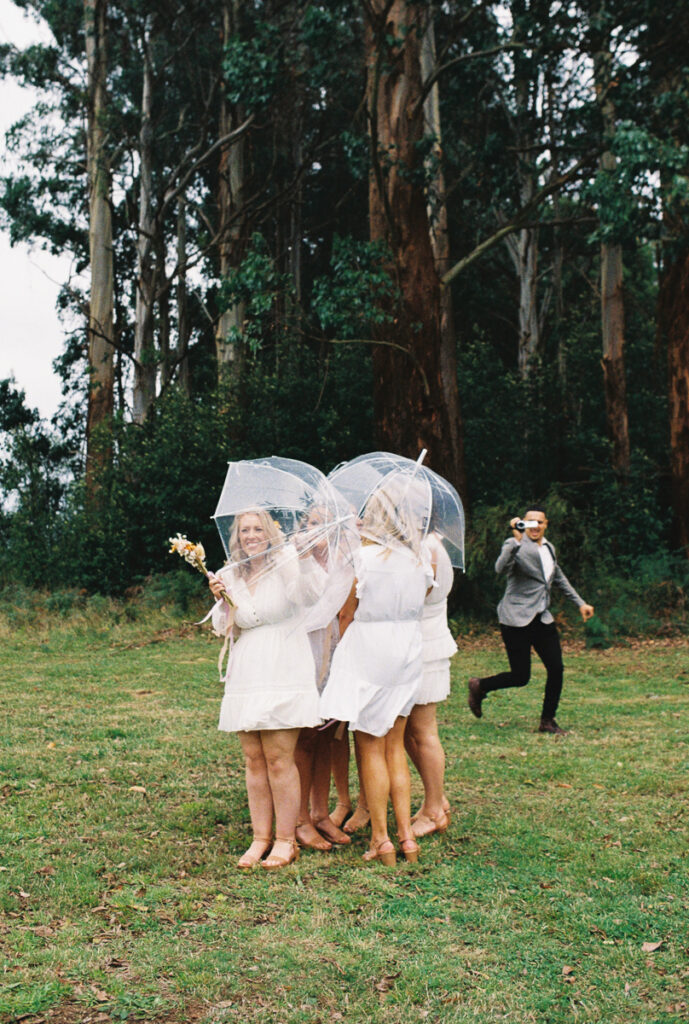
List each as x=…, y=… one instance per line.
x=528, y=591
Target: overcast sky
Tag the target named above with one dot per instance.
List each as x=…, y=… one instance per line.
x=30, y=332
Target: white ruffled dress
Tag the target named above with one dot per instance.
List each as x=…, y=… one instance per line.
x=270, y=681
x=438, y=643
x=377, y=667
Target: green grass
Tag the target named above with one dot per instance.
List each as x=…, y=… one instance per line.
x=123, y=812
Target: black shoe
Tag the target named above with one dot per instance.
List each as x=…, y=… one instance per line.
x=476, y=696
x=551, y=726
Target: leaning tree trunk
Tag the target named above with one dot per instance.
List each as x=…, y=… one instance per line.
x=144, y=352
x=612, y=297
x=673, y=321
x=100, y=323
x=440, y=242
x=410, y=395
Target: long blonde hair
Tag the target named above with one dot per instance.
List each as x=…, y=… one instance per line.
x=385, y=520
x=273, y=534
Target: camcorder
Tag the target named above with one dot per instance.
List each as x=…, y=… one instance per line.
x=526, y=524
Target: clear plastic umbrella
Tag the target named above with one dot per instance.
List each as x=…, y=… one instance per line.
x=273, y=510
x=417, y=498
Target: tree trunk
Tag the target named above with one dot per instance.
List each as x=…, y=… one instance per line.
x=440, y=243
x=523, y=246
x=231, y=180
x=673, y=321
x=100, y=323
x=162, y=286
x=612, y=298
x=410, y=396
x=612, y=317
x=144, y=352
x=183, y=330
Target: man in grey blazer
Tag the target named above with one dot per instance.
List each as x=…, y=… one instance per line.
x=524, y=615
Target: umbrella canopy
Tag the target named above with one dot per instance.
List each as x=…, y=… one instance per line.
x=301, y=504
x=418, y=498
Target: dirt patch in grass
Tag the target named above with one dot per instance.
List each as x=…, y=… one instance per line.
x=70, y=1012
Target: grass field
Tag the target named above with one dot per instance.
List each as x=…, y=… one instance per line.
x=560, y=894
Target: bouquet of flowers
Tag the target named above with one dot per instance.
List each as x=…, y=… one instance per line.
x=195, y=555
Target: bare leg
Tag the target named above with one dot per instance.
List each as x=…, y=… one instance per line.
x=278, y=749
x=260, y=798
x=426, y=751
x=376, y=779
x=339, y=754
x=398, y=769
x=320, y=788
x=305, y=758
x=361, y=816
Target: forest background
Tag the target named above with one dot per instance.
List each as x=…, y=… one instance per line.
x=317, y=229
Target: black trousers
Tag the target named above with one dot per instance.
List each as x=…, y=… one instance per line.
x=518, y=641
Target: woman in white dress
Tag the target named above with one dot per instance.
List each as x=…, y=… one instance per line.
x=313, y=755
x=377, y=667
x=421, y=735
x=270, y=684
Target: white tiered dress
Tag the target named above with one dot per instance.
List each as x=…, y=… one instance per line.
x=438, y=642
x=377, y=666
x=270, y=681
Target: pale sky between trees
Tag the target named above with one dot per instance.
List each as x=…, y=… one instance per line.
x=30, y=331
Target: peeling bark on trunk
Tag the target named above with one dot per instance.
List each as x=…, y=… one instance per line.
x=673, y=321
x=100, y=323
x=410, y=398
x=144, y=351
x=231, y=179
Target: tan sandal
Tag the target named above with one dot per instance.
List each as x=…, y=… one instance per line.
x=376, y=852
x=274, y=861
x=410, y=850
x=340, y=814
x=427, y=824
x=249, y=860
x=358, y=820
x=314, y=841
x=332, y=833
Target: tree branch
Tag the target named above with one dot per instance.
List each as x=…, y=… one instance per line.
x=517, y=222
x=430, y=82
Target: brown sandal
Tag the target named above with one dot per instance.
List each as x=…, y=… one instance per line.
x=332, y=833
x=358, y=820
x=376, y=852
x=316, y=841
x=340, y=814
x=410, y=850
x=249, y=860
x=274, y=861
x=427, y=825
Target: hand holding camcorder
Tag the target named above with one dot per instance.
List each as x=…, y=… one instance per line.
x=525, y=524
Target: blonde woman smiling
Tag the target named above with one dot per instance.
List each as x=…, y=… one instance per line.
x=270, y=683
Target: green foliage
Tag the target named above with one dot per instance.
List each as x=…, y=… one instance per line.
x=257, y=284
x=252, y=67
x=359, y=292
x=511, y=120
